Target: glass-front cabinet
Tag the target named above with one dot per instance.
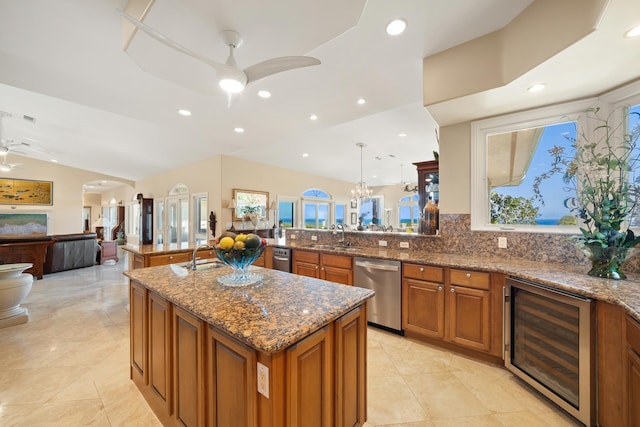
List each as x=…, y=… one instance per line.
x=429, y=196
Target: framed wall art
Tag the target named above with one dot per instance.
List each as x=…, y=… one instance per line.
x=25, y=192
x=251, y=201
x=23, y=224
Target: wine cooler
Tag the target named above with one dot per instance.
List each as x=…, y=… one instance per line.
x=550, y=344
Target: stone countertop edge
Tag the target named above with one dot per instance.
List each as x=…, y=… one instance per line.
x=269, y=316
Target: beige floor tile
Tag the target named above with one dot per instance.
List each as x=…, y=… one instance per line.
x=444, y=396
x=391, y=401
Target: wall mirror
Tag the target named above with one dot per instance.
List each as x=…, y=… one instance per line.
x=251, y=201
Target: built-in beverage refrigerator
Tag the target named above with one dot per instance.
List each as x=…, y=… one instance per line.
x=550, y=344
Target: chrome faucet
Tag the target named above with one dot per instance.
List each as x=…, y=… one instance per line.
x=192, y=266
x=342, y=240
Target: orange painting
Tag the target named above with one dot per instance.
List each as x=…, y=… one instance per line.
x=25, y=192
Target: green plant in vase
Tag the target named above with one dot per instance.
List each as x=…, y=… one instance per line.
x=605, y=200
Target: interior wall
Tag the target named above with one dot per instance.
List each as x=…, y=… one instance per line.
x=65, y=215
x=455, y=169
x=94, y=201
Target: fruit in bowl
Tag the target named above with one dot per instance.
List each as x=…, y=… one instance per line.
x=239, y=251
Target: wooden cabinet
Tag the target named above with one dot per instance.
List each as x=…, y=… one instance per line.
x=350, y=369
x=266, y=259
x=310, y=383
x=155, y=260
x=335, y=268
x=138, y=333
x=231, y=382
x=423, y=300
x=468, y=303
x=160, y=367
x=453, y=305
x=632, y=396
x=188, y=368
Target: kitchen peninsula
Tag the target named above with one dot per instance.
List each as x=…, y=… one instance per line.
x=288, y=351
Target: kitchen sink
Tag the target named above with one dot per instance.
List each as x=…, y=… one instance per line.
x=334, y=248
x=206, y=265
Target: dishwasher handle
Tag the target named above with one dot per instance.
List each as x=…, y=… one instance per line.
x=376, y=266
x=279, y=258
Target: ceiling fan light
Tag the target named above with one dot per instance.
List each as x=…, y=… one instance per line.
x=230, y=85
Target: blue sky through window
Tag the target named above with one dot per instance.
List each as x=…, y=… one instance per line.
x=554, y=190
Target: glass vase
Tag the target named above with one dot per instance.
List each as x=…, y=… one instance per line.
x=607, y=262
x=239, y=260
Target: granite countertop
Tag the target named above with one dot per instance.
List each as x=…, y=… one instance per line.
x=570, y=278
x=170, y=248
x=269, y=316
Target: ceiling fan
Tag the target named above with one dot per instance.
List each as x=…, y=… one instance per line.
x=231, y=78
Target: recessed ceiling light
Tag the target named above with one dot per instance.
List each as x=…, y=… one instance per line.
x=238, y=130
x=537, y=87
x=402, y=135
x=313, y=117
x=183, y=112
x=264, y=94
x=634, y=32
x=361, y=101
x=54, y=160
x=396, y=27
x=305, y=154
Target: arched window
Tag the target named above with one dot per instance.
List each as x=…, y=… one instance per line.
x=317, y=206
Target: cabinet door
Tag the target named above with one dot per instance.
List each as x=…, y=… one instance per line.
x=231, y=370
x=423, y=307
x=469, y=317
x=306, y=269
x=338, y=275
x=138, y=331
x=160, y=368
x=633, y=387
x=188, y=368
x=351, y=373
x=310, y=381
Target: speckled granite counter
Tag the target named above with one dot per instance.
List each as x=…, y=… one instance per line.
x=171, y=248
x=269, y=316
x=571, y=278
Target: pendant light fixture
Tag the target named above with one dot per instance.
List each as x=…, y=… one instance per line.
x=361, y=191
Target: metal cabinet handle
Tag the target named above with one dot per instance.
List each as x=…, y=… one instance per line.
x=316, y=267
x=453, y=290
x=468, y=274
x=421, y=269
x=170, y=256
x=440, y=288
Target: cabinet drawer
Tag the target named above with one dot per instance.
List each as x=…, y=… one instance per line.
x=423, y=272
x=311, y=257
x=633, y=334
x=470, y=279
x=168, y=259
x=337, y=261
x=203, y=254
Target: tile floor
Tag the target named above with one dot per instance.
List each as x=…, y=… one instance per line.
x=69, y=367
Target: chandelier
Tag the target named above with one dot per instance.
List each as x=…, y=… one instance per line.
x=361, y=190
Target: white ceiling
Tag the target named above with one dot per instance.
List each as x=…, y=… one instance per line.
x=61, y=61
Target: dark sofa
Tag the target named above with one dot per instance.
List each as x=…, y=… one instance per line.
x=70, y=251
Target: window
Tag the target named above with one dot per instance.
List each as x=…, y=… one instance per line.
x=633, y=128
x=159, y=221
x=286, y=214
x=408, y=212
x=341, y=210
x=370, y=210
x=201, y=220
x=316, y=206
x=510, y=156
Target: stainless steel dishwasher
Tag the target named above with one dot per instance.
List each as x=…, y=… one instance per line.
x=383, y=277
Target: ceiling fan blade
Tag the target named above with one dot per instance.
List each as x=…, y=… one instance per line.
x=278, y=65
x=172, y=44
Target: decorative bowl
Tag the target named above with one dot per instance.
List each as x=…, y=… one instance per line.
x=240, y=260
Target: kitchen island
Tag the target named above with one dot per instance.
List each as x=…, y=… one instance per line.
x=289, y=351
